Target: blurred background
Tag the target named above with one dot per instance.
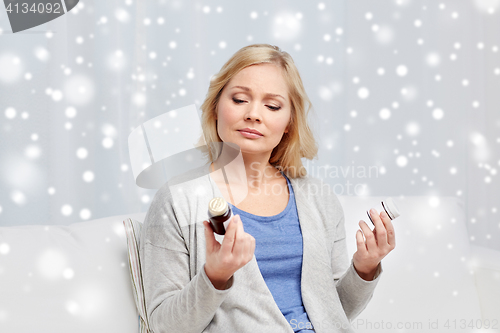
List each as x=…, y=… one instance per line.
x=405, y=93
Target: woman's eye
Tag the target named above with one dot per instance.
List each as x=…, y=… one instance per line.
x=237, y=101
x=274, y=108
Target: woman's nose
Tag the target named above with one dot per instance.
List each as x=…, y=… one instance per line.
x=253, y=112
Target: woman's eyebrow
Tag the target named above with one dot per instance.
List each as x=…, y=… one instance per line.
x=268, y=94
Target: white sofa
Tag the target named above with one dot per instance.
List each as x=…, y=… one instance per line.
x=76, y=278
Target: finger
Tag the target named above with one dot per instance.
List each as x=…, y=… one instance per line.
x=239, y=241
x=368, y=213
x=209, y=236
x=229, y=236
x=249, y=247
x=391, y=236
x=379, y=231
x=371, y=243
x=360, y=242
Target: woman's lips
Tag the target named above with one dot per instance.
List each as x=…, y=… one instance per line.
x=250, y=135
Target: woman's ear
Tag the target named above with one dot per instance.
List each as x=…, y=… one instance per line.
x=287, y=128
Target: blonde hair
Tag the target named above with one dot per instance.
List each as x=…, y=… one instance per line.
x=298, y=142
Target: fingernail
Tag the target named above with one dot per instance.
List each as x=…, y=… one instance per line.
x=373, y=211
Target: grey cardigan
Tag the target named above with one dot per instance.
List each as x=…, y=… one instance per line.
x=180, y=297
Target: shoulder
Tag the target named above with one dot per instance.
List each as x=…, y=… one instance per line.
x=184, y=185
x=175, y=200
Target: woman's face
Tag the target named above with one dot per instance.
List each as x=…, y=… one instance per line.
x=255, y=98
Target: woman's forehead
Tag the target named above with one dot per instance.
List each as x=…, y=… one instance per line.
x=267, y=77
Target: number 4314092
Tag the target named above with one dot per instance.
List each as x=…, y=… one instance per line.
x=35, y=8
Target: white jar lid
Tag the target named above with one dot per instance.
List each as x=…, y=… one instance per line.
x=391, y=208
x=217, y=206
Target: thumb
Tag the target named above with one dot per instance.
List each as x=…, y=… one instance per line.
x=209, y=237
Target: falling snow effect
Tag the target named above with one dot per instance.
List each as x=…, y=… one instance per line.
x=406, y=87
x=51, y=264
x=287, y=26
x=11, y=68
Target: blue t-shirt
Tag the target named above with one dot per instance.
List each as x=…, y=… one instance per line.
x=278, y=250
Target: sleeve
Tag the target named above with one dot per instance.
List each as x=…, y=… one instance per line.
x=354, y=292
x=174, y=302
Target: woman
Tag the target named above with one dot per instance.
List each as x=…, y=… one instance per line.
x=282, y=265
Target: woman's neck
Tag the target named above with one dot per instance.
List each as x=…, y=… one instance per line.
x=239, y=174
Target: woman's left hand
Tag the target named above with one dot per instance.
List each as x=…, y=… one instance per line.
x=378, y=244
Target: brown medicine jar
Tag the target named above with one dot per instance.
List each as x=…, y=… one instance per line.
x=220, y=214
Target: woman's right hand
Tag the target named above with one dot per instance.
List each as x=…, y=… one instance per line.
x=224, y=259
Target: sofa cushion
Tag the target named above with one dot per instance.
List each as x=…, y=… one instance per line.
x=67, y=278
x=76, y=278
